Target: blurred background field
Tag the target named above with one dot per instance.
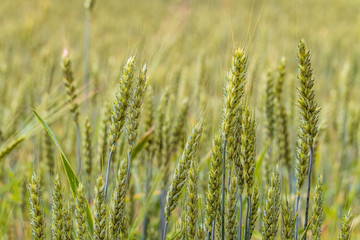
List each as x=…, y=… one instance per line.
x=188, y=47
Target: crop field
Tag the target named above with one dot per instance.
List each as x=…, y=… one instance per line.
x=185, y=119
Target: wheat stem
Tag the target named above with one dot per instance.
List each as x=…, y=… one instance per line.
x=308, y=189
x=108, y=172
x=78, y=146
x=297, y=216
x=240, y=217
x=248, y=235
x=165, y=230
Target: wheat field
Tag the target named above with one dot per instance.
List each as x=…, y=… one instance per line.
x=208, y=119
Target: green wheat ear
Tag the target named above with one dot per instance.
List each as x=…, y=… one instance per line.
x=231, y=210
x=181, y=171
x=49, y=153
x=309, y=114
x=345, y=233
x=272, y=208
x=69, y=83
x=287, y=217
x=255, y=203
x=214, y=186
x=118, y=203
x=160, y=119
x=248, y=149
x=11, y=147
x=270, y=105
x=57, y=224
x=68, y=226
x=36, y=209
x=179, y=129
x=88, y=151
x=318, y=214
x=103, y=135
x=135, y=108
x=80, y=214
x=121, y=103
x=192, y=200
x=100, y=210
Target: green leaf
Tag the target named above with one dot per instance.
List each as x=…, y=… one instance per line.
x=306, y=229
x=71, y=176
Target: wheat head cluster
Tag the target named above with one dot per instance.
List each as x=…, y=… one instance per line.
x=167, y=143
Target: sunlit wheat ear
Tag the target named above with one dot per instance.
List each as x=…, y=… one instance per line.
x=80, y=214
x=231, y=210
x=214, y=186
x=68, y=225
x=36, y=209
x=308, y=129
x=233, y=94
x=119, y=111
x=103, y=136
x=318, y=212
x=345, y=233
x=255, y=202
x=287, y=217
x=121, y=102
x=69, y=83
x=118, y=201
x=270, y=105
x=57, y=220
x=192, y=200
x=49, y=153
x=248, y=149
x=134, y=115
x=100, y=227
x=181, y=172
x=135, y=108
x=272, y=208
x=87, y=151
x=160, y=119
x=279, y=85
x=178, y=132
x=10, y=147
x=72, y=95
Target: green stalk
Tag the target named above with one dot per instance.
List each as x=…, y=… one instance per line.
x=297, y=216
x=78, y=146
x=308, y=189
x=108, y=172
x=162, y=210
x=213, y=230
x=129, y=167
x=240, y=217
x=147, y=191
x=223, y=192
x=165, y=229
x=248, y=235
x=247, y=217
